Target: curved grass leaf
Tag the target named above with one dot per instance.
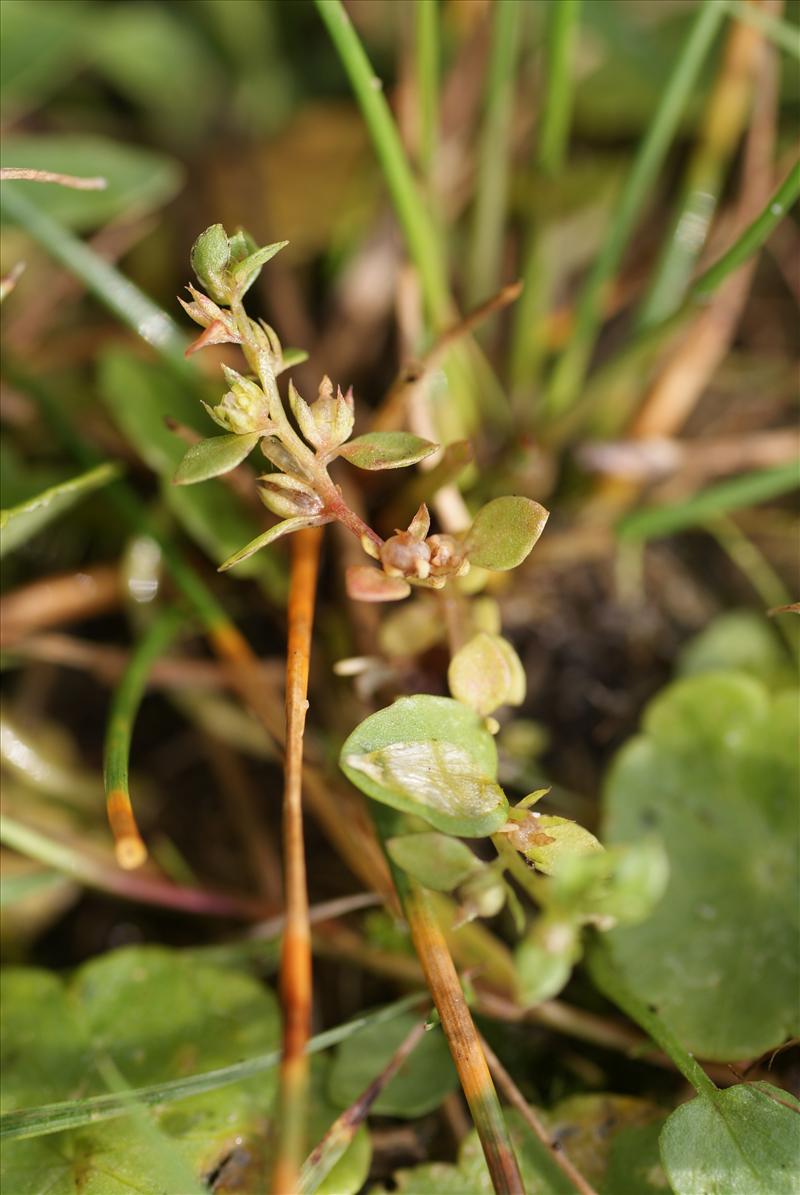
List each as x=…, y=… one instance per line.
x=35, y=1121
x=19, y=523
x=212, y=457
x=386, y=450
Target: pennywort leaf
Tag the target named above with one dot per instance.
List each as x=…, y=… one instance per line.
x=213, y=457
x=367, y=584
x=743, y=1141
x=504, y=531
x=386, y=450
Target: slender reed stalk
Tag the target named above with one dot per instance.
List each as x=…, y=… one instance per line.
x=326, y=1154
x=418, y=228
x=570, y=371
x=126, y=301
x=427, y=50
x=129, y=847
x=518, y=1101
x=295, y=973
x=723, y=121
x=494, y=153
x=529, y=331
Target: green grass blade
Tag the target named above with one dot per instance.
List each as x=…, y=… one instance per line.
x=570, y=371
x=115, y=291
x=489, y=212
x=19, y=523
x=72, y=1114
x=738, y=492
x=415, y=220
x=527, y=346
x=751, y=239
x=427, y=50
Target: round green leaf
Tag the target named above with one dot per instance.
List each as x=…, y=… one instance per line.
x=386, y=450
x=740, y=1142
x=212, y=457
x=567, y=838
x=504, y=531
x=436, y=860
x=715, y=775
x=486, y=673
x=421, y=1083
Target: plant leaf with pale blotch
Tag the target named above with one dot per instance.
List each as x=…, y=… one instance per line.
x=267, y=538
x=486, y=673
x=386, y=450
x=504, y=531
x=436, y=860
x=738, y=1142
x=429, y=721
x=439, y=782
x=212, y=457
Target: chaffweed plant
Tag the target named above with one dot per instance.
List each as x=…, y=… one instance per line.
x=429, y=763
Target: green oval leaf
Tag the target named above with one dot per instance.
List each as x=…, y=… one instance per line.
x=486, y=673
x=19, y=523
x=212, y=457
x=715, y=775
x=386, y=450
x=431, y=721
x=504, y=531
x=436, y=860
x=419, y=1087
x=743, y=1141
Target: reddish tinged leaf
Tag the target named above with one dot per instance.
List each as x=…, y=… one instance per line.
x=386, y=450
x=365, y=584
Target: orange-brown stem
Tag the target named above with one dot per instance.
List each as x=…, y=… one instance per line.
x=295, y=975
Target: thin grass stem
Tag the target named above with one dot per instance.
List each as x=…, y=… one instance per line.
x=568, y=375
x=494, y=153
x=129, y=846
x=529, y=331
x=427, y=53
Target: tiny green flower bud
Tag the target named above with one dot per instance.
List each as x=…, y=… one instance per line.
x=288, y=496
x=328, y=422
x=211, y=255
x=244, y=408
x=220, y=325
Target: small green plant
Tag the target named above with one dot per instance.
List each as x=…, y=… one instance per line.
x=429, y=763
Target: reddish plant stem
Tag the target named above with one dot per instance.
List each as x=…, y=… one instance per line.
x=295, y=972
